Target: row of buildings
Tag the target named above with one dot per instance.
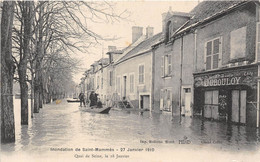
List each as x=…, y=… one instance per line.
x=205, y=63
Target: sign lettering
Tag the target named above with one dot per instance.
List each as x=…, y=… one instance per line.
x=234, y=77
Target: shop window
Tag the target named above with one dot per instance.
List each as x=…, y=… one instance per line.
x=141, y=74
x=166, y=66
x=238, y=106
x=238, y=43
x=213, y=54
x=211, y=104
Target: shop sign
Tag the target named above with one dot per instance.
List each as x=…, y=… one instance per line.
x=238, y=77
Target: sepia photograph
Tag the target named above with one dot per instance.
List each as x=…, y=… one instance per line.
x=130, y=80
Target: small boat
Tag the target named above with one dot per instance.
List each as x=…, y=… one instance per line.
x=73, y=100
x=104, y=110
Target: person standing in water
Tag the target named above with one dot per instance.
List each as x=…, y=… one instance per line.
x=82, y=99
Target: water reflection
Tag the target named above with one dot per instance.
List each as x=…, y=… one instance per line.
x=64, y=125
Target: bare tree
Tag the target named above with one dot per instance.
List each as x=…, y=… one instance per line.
x=7, y=70
x=64, y=25
x=46, y=27
x=23, y=33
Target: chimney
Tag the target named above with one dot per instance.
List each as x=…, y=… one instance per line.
x=149, y=32
x=137, y=32
x=111, y=48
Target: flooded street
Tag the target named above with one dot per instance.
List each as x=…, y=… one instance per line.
x=65, y=126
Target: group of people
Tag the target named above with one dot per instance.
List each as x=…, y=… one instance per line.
x=93, y=98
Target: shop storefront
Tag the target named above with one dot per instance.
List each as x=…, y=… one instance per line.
x=227, y=95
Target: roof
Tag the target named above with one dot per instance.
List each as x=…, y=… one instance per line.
x=206, y=10
x=130, y=47
x=185, y=14
x=116, y=51
x=141, y=48
x=103, y=61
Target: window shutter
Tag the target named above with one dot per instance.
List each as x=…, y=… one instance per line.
x=220, y=52
x=161, y=99
x=169, y=64
x=166, y=72
x=258, y=42
x=208, y=55
x=205, y=54
x=162, y=66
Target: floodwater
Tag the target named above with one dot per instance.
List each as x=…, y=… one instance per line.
x=63, y=125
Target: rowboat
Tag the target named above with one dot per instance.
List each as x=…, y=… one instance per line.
x=104, y=110
x=73, y=100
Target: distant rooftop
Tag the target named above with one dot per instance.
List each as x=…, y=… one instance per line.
x=142, y=47
x=208, y=9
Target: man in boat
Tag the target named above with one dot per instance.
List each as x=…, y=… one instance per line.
x=92, y=98
x=99, y=103
x=82, y=99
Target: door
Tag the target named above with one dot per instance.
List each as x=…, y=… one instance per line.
x=235, y=106
x=211, y=104
x=208, y=101
x=243, y=106
x=214, y=107
x=146, y=101
x=142, y=102
x=238, y=106
x=187, y=99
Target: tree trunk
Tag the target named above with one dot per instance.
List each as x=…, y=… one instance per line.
x=22, y=68
x=39, y=57
x=41, y=89
x=36, y=89
x=7, y=69
x=32, y=94
x=24, y=94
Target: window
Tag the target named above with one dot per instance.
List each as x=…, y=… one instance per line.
x=166, y=65
x=168, y=31
x=131, y=83
x=102, y=83
x=118, y=84
x=141, y=74
x=111, y=78
x=162, y=66
x=238, y=43
x=97, y=82
x=212, y=55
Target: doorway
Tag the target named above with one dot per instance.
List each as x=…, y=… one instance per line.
x=211, y=104
x=187, y=101
x=145, y=101
x=238, y=113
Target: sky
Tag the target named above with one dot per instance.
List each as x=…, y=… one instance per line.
x=142, y=13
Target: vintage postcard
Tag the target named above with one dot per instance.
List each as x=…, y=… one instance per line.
x=154, y=81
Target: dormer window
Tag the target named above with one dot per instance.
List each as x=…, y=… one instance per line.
x=168, y=32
